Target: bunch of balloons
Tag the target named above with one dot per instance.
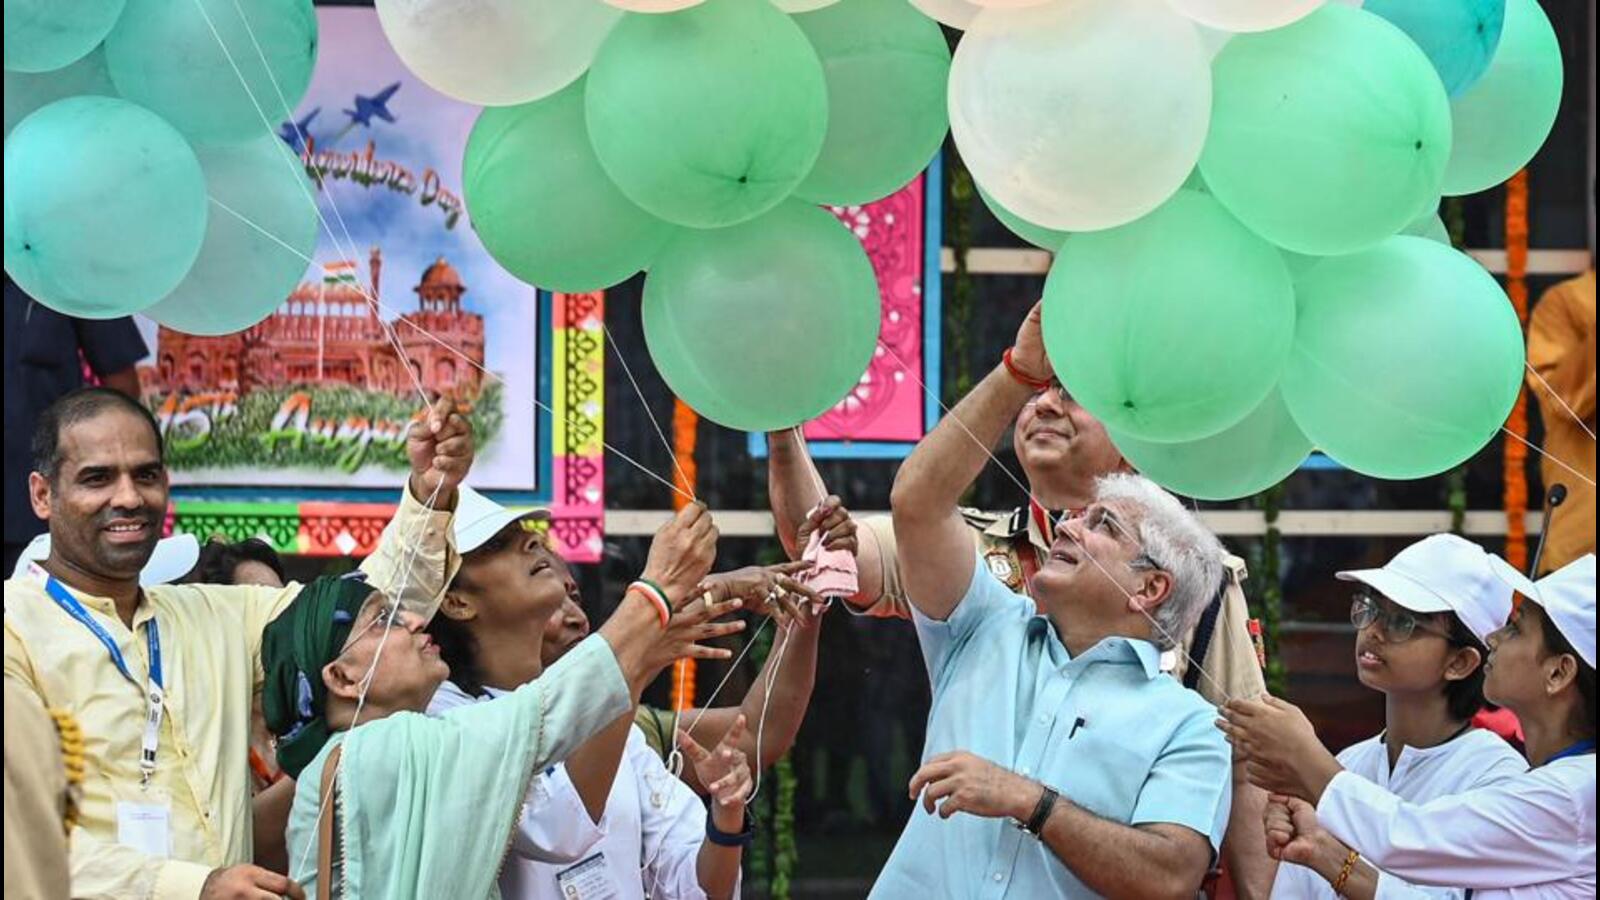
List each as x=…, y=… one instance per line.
x=695, y=140
x=142, y=173
x=1241, y=197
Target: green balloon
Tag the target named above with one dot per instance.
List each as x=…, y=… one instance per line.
x=1328, y=135
x=1428, y=225
x=164, y=55
x=542, y=205
x=242, y=275
x=105, y=207
x=766, y=324
x=26, y=92
x=1241, y=461
x=886, y=65
x=1502, y=121
x=45, y=35
x=710, y=116
x=1407, y=358
x=1172, y=327
x=1037, y=235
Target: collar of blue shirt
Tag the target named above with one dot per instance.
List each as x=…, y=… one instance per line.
x=1115, y=649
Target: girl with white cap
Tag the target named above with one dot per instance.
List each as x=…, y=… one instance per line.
x=1422, y=626
x=1531, y=836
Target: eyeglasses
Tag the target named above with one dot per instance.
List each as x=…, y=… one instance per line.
x=1102, y=519
x=1398, y=625
x=1055, y=386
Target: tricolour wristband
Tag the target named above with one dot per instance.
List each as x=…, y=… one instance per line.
x=655, y=595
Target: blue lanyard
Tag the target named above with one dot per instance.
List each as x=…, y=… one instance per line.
x=1578, y=749
x=73, y=608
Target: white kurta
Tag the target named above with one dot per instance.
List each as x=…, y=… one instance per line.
x=1474, y=759
x=647, y=841
x=1531, y=836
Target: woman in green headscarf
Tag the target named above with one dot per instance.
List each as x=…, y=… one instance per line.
x=424, y=807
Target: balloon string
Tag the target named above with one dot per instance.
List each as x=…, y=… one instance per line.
x=639, y=392
x=487, y=373
x=1055, y=527
x=1539, y=450
x=1560, y=399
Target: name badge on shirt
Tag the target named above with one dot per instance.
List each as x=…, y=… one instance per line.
x=588, y=880
x=146, y=827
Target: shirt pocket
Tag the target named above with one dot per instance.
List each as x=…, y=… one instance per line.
x=1105, y=772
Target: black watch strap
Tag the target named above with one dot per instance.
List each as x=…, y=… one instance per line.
x=1041, y=813
x=723, y=839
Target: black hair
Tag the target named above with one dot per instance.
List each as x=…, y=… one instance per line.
x=1465, y=696
x=458, y=648
x=220, y=560
x=78, y=406
x=1557, y=644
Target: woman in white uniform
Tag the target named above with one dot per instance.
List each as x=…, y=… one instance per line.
x=1532, y=836
x=1423, y=622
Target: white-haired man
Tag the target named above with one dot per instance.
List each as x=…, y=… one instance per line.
x=1055, y=716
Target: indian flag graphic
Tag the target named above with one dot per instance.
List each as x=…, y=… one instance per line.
x=342, y=272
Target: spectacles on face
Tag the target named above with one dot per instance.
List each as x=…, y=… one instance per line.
x=1104, y=520
x=1059, y=390
x=1397, y=625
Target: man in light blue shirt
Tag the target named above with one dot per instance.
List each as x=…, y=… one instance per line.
x=1055, y=717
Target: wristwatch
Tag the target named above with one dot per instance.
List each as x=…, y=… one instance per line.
x=723, y=839
x=1041, y=812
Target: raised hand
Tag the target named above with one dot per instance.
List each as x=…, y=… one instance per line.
x=971, y=784
x=691, y=626
x=1028, y=353
x=834, y=521
x=440, y=448
x=681, y=553
x=725, y=771
x=1282, y=752
x=766, y=590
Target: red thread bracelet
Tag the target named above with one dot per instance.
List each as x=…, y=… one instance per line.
x=1021, y=377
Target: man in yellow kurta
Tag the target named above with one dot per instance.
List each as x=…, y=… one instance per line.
x=166, y=809
x=1561, y=345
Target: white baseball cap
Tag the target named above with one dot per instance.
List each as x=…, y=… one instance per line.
x=1448, y=573
x=478, y=518
x=172, y=559
x=1567, y=597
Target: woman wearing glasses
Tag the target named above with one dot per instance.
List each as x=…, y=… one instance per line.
x=1531, y=836
x=1422, y=625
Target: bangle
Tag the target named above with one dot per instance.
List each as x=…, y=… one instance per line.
x=1344, y=874
x=723, y=839
x=1021, y=377
x=1041, y=812
x=655, y=595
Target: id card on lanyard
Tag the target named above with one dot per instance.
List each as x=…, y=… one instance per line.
x=153, y=690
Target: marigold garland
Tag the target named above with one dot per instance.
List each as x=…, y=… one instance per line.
x=685, y=426
x=1516, y=453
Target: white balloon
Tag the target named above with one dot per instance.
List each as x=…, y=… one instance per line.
x=801, y=6
x=497, y=52
x=955, y=13
x=1008, y=4
x=1082, y=114
x=653, y=6
x=1248, y=15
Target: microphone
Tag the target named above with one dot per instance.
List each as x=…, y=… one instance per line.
x=1556, y=496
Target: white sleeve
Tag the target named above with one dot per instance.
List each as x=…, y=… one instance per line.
x=555, y=826
x=1392, y=888
x=1298, y=883
x=1519, y=832
x=673, y=829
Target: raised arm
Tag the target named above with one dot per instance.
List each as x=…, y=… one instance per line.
x=933, y=542
x=800, y=507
